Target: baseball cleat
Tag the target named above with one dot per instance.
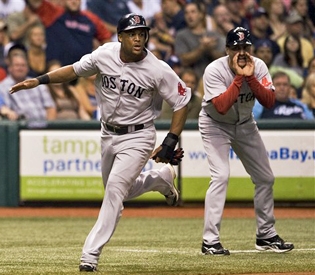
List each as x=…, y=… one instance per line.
x=215, y=249
x=87, y=267
x=275, y=244
x=173, y=197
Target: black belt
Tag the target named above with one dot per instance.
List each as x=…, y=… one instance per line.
x=121, y=130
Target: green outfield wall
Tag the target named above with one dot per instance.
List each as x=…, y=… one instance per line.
x=59, y=161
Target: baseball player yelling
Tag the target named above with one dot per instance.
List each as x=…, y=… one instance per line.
x=131, y=84
x=231, y=84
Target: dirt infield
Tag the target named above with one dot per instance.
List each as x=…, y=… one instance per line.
x=172, y=212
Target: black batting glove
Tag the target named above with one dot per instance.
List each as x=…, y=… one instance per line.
x=178, y=154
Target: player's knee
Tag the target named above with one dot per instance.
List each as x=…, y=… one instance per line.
x=265, y=180
x=221, y=178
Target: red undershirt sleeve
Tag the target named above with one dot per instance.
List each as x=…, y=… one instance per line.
x=225, y=101
x=266, y=97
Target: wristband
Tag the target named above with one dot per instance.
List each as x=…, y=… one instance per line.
x=43, y=79
x=170, y=140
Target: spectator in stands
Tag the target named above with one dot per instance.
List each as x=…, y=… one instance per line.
x=260, y=29
x=294, y=23
x=147, y=8
x=20, y=22
x=290, y=61
x=34, y=104
x=311, y=66
x=110, y=11
x=160, y=37
x=194, y=106
x=165, y=26
x=293, y=92
x=68, y=105
x=13, y=49
x=5, y=112
x=210, y=5
x=175, y=64
x=263, y=49
x=308, y=92
x=277, y=13
x=301, y=8
x=10, y=6
x=222, y=20
x=4, y=41
x=250, y=6
x=173, y=14
x=284, y=107
x=36, y=53
x=71, y=29
x=60, y=3
x=236, y=9
x=291, y=56
x=311, y=10
x=85, y=89
x=194, y=45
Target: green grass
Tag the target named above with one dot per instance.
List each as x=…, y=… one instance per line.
x=150, y=246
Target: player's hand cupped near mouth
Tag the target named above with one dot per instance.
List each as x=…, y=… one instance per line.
x=243, y=64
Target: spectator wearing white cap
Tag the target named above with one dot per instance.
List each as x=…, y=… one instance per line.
x=9, y=6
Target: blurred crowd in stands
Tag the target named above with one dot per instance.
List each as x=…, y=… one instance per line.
x=37, y=36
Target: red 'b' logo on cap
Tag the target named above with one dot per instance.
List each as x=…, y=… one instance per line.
x=181, y=89
x=137, y=19
x=241, y=36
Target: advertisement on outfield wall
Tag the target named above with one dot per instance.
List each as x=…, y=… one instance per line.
x=66, y=165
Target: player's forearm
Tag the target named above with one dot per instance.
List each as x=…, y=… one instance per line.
x=225, y=101
x=178, y=121
x=266, y=97
x=64, y=74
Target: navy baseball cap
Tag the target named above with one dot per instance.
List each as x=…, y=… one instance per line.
x=131, y=21
x=263, y=43
x=238, y=36
x=260, y=12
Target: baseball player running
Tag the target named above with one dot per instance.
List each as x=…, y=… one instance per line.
x=231, y=84
x=131, y=84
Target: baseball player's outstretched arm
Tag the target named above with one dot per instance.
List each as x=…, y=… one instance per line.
x=63, y=74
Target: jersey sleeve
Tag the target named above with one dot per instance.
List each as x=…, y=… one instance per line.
x=86, y=67
x=262, y=74
x=213, y=82
x=172, y=89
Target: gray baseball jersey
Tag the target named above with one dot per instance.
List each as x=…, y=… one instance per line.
x=236, y=129
x=131, y=93
x=218, y=77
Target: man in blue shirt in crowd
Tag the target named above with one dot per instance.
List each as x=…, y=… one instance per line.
x=284, y=107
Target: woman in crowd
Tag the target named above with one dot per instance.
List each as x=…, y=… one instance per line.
x=36, y=55
x=67, y=103
x=308, y=92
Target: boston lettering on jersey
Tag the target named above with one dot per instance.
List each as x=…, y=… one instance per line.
x=130, y=88
x=246, y=97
